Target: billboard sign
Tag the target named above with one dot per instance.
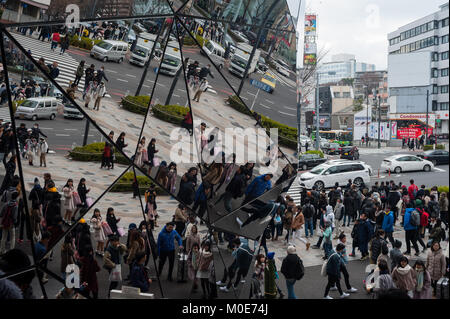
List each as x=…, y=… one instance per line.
x=411, y=132
x=310, y=59
x=310, y=48
x=310, y=24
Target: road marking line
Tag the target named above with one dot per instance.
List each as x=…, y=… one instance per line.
x=269, y=101
x=160, y=84
x=244, y=98
x=182, y=90
x=440, y=169
x=176, y=95
x=47, y=128
x=267, y=107
x=70, y=129
x=111, y=71
x=146, y=86
x=122, y=80
x=250, y=93
x=286, y=113
x=290, y=108
x=131, y=75
x=62, y=135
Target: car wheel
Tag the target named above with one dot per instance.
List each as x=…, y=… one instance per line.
x=427, y=168
x=52, y=117
x=305, y=167
x=434, y=162
x=358, y=181
x=105, y=59
x=34, y=118
x=398, y=170
x=120, y=60
x=319, y=185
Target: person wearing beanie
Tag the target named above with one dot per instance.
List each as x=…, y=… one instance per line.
x=293, y=270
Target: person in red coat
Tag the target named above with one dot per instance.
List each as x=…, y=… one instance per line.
x=88, y=273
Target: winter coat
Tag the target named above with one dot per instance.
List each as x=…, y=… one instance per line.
x=364, y=232
x=88, y=272
x=67, y=253
x=393, y=197
x=9, y=290
x=244, y=257
x=139, y=277
x=404, y=278
x=425, y=292
x=334, y=265
x=258, y=187
x=437, y=234
x=290, y=266
x=191, y=240
x=388, y=222
x=134, y=249
x=113, y=255
x=298, y=221
x=378, y=246
x=166, y=240
x=14, y=212
x=52, y=206
x=406, y=222
x=395, y=255
x=204, y=260
x=236, y=186
x=436, y=264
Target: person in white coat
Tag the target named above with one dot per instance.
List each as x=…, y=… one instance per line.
x=42, y=149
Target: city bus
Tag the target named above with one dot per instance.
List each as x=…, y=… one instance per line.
x=343, y=138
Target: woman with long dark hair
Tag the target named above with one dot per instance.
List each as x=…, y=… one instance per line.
x=82, y=191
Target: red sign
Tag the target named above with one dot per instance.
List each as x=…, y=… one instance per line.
x=406, y=132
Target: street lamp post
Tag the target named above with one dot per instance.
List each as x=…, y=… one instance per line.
x=426, y=128
x=367, y=116
x=379, y=119
x=317, y=112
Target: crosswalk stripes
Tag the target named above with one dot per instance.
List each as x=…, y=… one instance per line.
x=4, y=114
x=67, y=65
x=294, y=192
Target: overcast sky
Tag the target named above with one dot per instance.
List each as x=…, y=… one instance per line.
x=360, y=27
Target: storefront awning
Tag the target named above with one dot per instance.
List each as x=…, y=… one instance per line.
x=40, y=4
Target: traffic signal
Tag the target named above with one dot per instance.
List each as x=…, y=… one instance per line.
x=314, y=112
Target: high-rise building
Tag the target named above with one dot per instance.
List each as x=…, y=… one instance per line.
x=418, y=62
x=342, y=66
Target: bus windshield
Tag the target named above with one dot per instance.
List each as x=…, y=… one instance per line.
x=328, y=135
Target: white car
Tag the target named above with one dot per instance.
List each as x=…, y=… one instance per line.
x=283, y=71
x=405, y=162
x=337, y=171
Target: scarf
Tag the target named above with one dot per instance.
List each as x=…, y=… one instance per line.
x=420, y=275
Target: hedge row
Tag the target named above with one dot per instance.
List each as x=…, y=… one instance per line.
x=168, y=113
x=320, y=153
x=287, y=135
x=125, y=184
x=430, y=147
x=83, y=42
x=93, y=153
x=189, y=41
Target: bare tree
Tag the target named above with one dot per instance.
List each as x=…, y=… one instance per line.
x=307, y=74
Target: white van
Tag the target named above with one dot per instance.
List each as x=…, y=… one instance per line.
x=109, y=50
x=216, y=52
x=38, y=107
x=171, y=62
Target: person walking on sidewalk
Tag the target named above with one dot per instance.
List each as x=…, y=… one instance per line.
x=203, y=87
x=364, y=235
x=55, y=40
x=404, y=276
x=333, y=271
x=435, y=264
x=42, y=150
x=65, y=43
x=98, y=95
x=292, y=268
x=411, y=231
x=89, y=75
x=343, y=240
x=166, y=247
x=79, y=72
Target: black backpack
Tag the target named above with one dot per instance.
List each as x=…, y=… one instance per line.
x=300, y=270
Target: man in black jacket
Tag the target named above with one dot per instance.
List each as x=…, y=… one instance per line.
x=293, y=270
x=392, y=199
x=89, y=76
x=205, y=71
x=234, y=189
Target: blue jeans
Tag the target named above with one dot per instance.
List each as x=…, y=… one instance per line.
x=290, y=287
x=328, y=248
x=309, y=226
x=349, y=218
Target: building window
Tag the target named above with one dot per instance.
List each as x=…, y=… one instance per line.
x=434, y=105
x=434, y=73
x=444, y=22
x=444, y=56
x=435, y=56
x=436, y=40
x=430, y=25
x=444, y=72
x=435, y=89
x=443, y=106
x=444, y=39
x=337, y=95
x=346, y=95
x=444, y=89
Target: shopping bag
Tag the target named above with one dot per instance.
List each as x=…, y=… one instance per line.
x=76, y=199
x=156, y=161
x=120, y=231
x=106, y=229
x=116, y=273
x=89, y=201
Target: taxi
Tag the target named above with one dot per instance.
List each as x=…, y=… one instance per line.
x=270, y=80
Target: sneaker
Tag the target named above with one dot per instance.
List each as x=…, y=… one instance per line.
x=344, y=295
x=417, y=254
x=333, y=288
x=220, y=283
x=352, y=290
x=243, y=281
x=407, y=253
x=352, y=255
x=328, y=297
x=224, y=289
x=239, y=222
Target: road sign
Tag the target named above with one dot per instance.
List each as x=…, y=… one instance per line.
x=260, y=85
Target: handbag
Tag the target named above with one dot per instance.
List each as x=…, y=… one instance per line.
x=89, y=201
x=106, y=229
x=76, y=199
x=156, y=161
x=120, y=231
x=116, y=273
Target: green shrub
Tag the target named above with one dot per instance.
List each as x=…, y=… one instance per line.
x=236, y=104
x=124, y=184
x=443, y=189
x=93, y=153
x=170, y=113
x=430, y=147
x=320, y=153
x=83, y=42
x=136, y=104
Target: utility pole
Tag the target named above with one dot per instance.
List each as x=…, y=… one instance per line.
x=426, y=128
x=299, y=94
x=86, y=132
x=378, y=98
x=317, y=111
x=256, y=46
x=367, y=118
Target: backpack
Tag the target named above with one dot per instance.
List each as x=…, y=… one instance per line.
x=323, y=271
x=7, y=220
x=415, y=218
x=300, y=271
x=309, y=208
